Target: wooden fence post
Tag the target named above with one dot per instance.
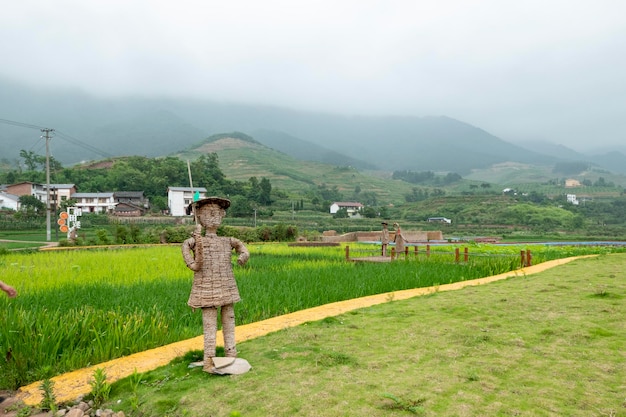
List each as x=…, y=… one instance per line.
x=529, y=258
x=456, y=255
x=428, y=251
x=466, y=255
x=393, y=253
x=347, y=253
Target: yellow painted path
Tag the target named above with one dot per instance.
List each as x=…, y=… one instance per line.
x=70, y=386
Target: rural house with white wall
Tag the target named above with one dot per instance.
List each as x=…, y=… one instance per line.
x=95, y=202
x=9, y=201
x=352, y=208
x=178, y=198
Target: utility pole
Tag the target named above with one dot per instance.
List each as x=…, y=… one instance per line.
x=46, y=133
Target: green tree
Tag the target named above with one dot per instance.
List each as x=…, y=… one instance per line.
x=29, y=202
x=30, y=159
x=207, y=173
x=125, y=177
x=254, y=191
x=158, y=203
x=370, y=212
x=265, y=196
x=10, y=177
x=342, y=213
x=240, y=207
x=67, y=203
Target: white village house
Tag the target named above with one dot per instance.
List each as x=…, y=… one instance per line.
x=352, y=208
x=571, y=198
x=439, y=220
x=27, y=188
x=9, y=201
x=95, y=202
x=178, y=198
x=58, y=192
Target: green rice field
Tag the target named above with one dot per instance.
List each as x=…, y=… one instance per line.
x=78, y=308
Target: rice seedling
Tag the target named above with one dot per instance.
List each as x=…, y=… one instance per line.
x=82, y=307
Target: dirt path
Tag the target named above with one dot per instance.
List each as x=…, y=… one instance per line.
x=70, y=386
x=42, y=244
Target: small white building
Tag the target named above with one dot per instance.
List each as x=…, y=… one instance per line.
x=439, y=220
x=179, y=198
x=352, y=208
x=9, y=201
x=571, y=198
x=95, y=202
x=58, y=192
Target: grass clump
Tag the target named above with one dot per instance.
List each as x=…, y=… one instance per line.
x=48, y=401
x=412, y=406
x=100, y=388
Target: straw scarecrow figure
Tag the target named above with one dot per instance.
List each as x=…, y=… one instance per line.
x=214, y=287
x=384, y=239
x=399, y=240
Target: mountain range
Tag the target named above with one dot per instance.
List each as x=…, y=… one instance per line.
x=92, y=128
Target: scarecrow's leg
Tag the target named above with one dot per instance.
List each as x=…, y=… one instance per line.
x=209, y=322
x=228, y=330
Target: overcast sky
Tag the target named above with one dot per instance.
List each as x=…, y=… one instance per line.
x=533, y=69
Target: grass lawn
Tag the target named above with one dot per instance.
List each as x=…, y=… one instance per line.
x=18, y=245
x=11, y=240
x=550, y=344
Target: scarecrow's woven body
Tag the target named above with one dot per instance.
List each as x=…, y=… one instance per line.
x=214, y=283
x=399, y=239
x=384, y=240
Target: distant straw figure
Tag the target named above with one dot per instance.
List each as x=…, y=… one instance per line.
x=214, y=283
x=399, y=240
x=384, y=239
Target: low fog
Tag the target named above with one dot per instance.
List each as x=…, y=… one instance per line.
x=523, y=71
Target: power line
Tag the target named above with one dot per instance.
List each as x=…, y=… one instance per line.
x=83, y=145
x=26, y=125
x=62, y=135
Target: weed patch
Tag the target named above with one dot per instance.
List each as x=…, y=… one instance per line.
x=402, y=404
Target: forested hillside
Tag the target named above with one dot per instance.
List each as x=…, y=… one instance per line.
x=90, y=128
x=273, y=185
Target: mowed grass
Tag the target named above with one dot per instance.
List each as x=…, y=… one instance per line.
x=18, y=245
x=548, y=344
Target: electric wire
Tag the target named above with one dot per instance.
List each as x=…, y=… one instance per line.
x=61, y=135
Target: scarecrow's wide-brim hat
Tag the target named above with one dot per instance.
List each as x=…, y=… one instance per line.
x=222, y=202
